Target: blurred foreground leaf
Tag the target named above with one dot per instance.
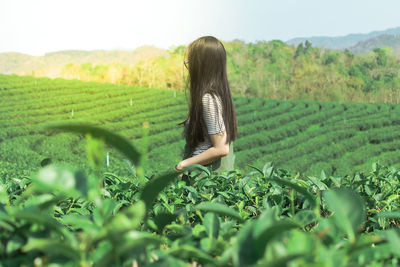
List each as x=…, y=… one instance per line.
x=348, y=208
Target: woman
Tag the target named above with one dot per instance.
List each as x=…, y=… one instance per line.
x=211, y=125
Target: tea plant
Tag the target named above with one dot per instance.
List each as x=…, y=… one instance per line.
x=300, y=136
x=61, y=216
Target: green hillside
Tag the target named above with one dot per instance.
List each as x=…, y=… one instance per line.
x=301, y=136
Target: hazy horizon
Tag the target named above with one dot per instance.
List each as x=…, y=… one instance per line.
x=45, y=26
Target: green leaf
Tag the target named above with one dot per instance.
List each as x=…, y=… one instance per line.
x=323, y=175
x=348, y=208
x=391, y=198
x=127, y=219
x=299, y=189
x=154, y=186
x=211, y=223
x=254, y=236
x=109, y=205
x=102, y=255
x=334, y=180
x=80, y=222
x=163, y=218
x=52, y=247
x=14, y=243
x=188, y=252
x=244, y=252
x=4, y=197
x=365, y=242
x=261, y=240
x=268, y=169
x=226, y=256
x=117, y=141
x=368, y=191
x=389, y=214
x=133, y=240
x=208, y=243
x=7, y=222
x=55, y=179
x=119, y=205
x=35, y=216
x=375, y=166
x=194, y=167
x=198, y=229
x=267, y=218
x=257, y=169
x=224, y=194
x=393, y=236
x=317, y=182
x=305, y=217
x=219, y=209
x=43, y=201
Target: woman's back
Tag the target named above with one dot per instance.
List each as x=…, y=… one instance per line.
x=212, y=123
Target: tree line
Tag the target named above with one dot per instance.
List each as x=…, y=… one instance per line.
x=270, y=69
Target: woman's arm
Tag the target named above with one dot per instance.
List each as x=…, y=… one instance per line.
x=218, y=150
x=212, y=115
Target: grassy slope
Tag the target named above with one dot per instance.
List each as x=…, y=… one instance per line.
x=300, y=136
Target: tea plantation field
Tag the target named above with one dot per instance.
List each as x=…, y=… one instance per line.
x=300, y=136
x=60, y=205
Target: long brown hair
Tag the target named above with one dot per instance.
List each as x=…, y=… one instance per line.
x=207, y=74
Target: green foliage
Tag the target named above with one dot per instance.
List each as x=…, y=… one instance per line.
x=330, y=57
x=381, y=57
x=266, y=217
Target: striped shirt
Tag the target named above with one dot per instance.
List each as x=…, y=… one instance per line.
x=212, y=123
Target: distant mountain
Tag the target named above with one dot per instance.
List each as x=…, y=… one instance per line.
x=384, y=40
x=342, y=42
x=18, y=63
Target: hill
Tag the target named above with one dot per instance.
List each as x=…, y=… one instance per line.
x=264, y=69
x=301, y=136
x=381, y=41
x=19, y=63
x=342, y=42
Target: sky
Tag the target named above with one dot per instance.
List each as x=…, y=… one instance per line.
x=38, y=26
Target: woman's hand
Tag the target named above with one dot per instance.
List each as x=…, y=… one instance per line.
x=178, y=167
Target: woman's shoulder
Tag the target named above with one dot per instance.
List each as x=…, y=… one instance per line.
x=208, y=96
